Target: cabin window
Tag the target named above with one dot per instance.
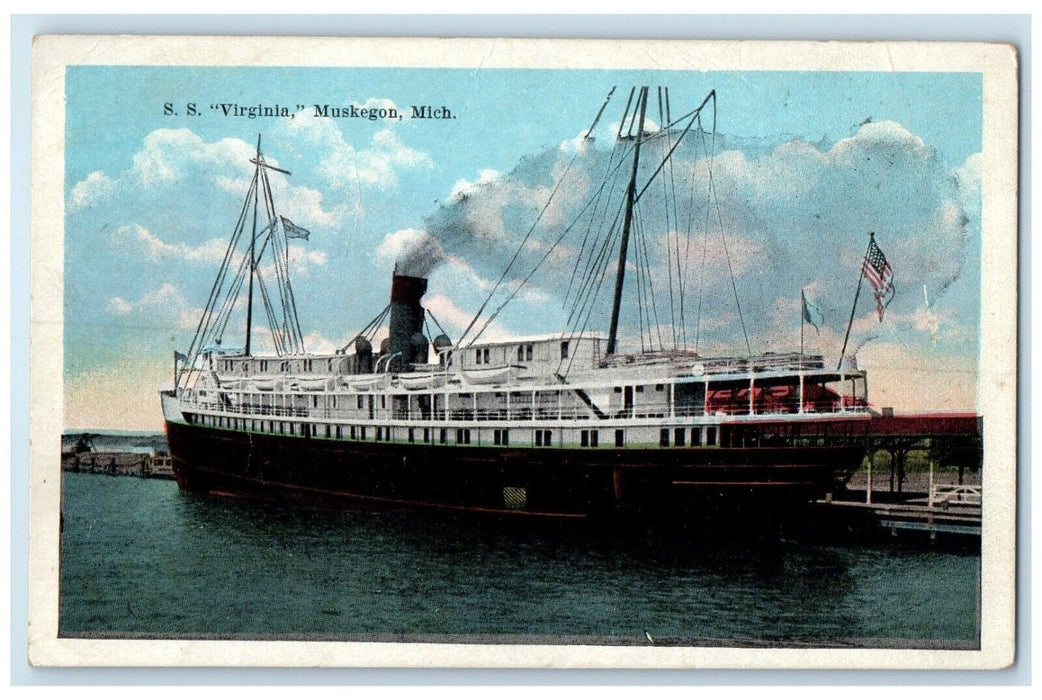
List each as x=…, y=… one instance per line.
x=501, y=437
x=696, y=436
x=361, y=402
x=528, y=352
x=584, y=438
x=486, y=353
x=617, y=390
x=339, y=433
x=539, y=438
x=314, y=401
x=663, y=438
x=477, y=356
x=543, y=438
x=564, y=350
x=362, y=432
x=640, y=389
x=411, y=435
x=678, y=437
x=520, y=353
x=334, y=402
x=353, y=432
x=462, y=436
x=379, y=434
x=383, y=400
x=620, y=438
x=593, y=438
x=711, y=436
x=426, y=434
x=660, y=387
x=443, y=437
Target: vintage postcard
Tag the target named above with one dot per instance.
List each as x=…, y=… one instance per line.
x=523, y=353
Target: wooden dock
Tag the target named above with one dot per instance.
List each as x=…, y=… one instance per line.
x=945, y=512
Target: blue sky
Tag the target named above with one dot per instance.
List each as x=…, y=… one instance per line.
x=806, y=164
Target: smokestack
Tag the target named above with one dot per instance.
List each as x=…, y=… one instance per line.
x=406, y=320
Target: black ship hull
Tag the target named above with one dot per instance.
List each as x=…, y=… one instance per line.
x=558, y=483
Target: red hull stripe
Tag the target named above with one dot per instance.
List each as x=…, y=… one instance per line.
x=382, y=499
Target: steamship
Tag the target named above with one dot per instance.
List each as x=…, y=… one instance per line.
x=562, y=425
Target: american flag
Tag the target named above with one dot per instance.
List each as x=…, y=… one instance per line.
x=880, y=274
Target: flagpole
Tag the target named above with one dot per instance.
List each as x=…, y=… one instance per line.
x=803, y=317
x=860, y=279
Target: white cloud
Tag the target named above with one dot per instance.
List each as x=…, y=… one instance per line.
x=92, y=190
x=158, y=307
x=143, y=241
x=343, y=164
x=464, y=186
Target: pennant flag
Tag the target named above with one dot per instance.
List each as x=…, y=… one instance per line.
x=180, y=356
x=294, y=231
x=878, y=271
x=816, y=319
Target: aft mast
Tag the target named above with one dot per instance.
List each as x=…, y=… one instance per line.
x=631, y=194
x=253, y=246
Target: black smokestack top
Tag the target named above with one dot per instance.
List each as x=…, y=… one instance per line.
x=406, y=319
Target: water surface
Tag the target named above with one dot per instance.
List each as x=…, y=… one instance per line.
x=141, y=559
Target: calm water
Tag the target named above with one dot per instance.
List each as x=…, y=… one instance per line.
x=141, y=559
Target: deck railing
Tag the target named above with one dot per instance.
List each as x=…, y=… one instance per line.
x=526, y=413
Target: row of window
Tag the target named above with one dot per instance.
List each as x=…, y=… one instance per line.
x=679, y=434
x=676, y=437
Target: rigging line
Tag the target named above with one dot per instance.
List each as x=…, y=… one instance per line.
x=593, y=217
x=590, y=260
x=730, y=269
x=233, y=292
x=200, y=331
x=651, y=285
x=669, y=155
x=585, y=312
x=431, y=314
x=277, y=340
x=575, y=220
x=593, y=298
x=280, y=253
x=705, y=231
x=598, y=264
x=580, y=331
x=625, y=113
x=676, y=249
x=220, y=325
x=669, y=252
x=529, y=276
x=642, y=305
x=520, y=247
x=269, y=210
x=599, y=113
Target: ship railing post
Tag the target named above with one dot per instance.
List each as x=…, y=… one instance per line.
x=868, y=489
x=929, y=500
x=802, y=376
x=752, y=394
